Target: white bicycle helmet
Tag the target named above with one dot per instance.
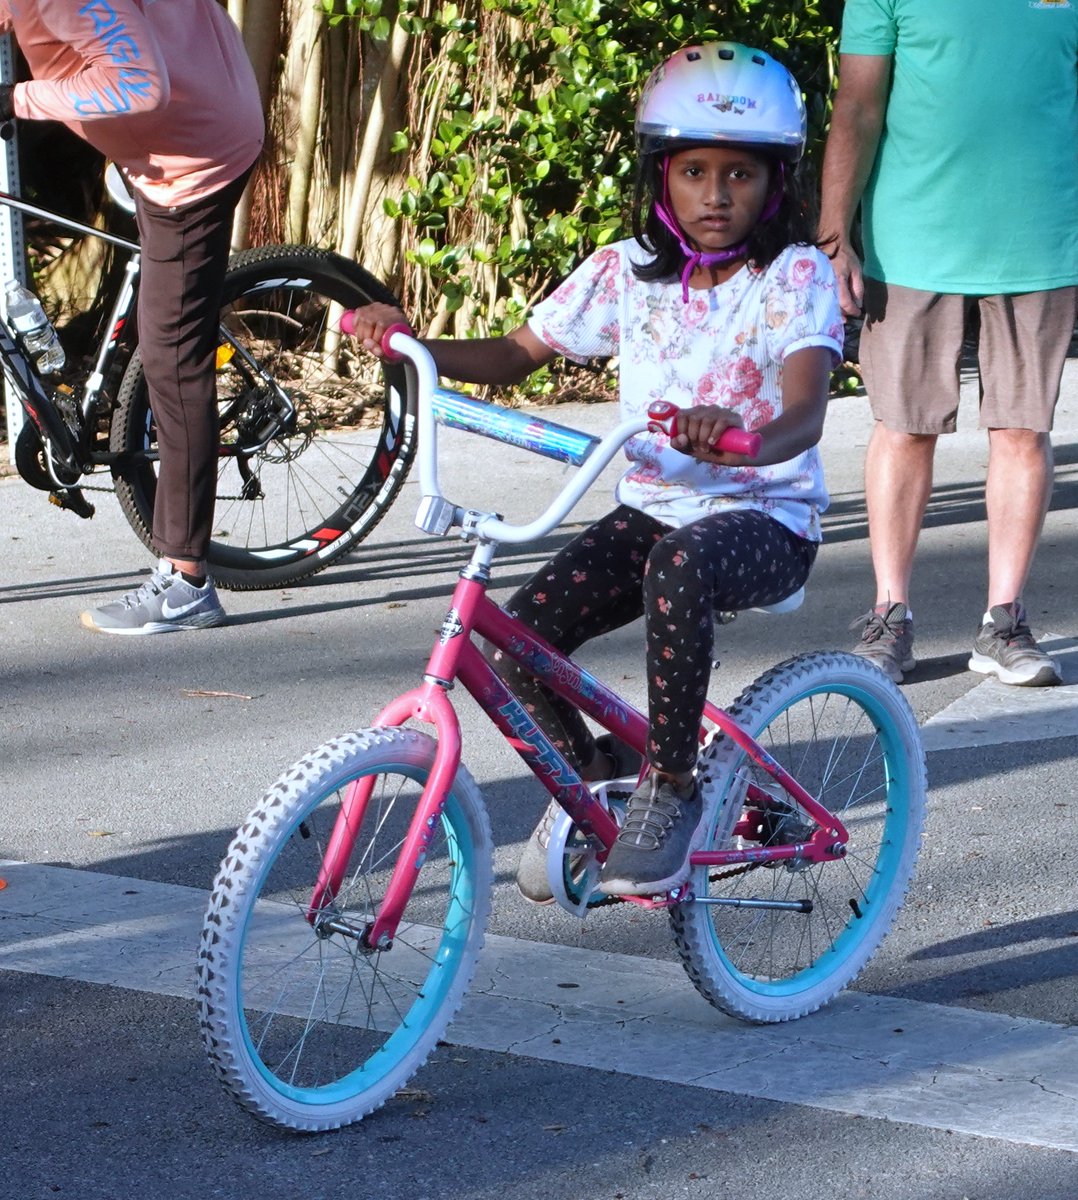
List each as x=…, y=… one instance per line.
x=722, y=93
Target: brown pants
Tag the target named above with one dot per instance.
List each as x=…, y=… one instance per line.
x=184, y=259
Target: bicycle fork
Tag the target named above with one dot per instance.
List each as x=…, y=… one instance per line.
x=429, y=703
x=454, y=657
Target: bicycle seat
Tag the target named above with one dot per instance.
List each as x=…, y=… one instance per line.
x=793, y=601
x=118, y=188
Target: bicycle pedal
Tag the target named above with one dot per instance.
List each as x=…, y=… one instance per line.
x=74, y=501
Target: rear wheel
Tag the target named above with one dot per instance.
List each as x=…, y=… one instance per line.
x=295, y=490
x=307, y=1026
x=842, y=729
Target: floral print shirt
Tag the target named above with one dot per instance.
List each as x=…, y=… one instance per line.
x=726, y=347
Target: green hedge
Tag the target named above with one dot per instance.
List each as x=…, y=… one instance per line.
x=531, y=161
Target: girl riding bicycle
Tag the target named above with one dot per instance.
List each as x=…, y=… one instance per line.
x=721, y=304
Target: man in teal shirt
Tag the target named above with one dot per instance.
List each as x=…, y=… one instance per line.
x=955, y=128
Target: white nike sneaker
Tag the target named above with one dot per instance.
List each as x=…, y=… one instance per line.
x=165, y=602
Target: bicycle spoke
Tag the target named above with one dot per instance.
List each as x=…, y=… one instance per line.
x=316, y=443
x=845, y=734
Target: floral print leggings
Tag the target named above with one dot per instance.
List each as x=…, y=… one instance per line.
x=629, y=565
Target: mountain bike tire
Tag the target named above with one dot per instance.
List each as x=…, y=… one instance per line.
x=307, y=1028
x=289, y=508
x=848, y=735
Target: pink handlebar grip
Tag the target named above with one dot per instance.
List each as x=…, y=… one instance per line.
x=347, y=325
x=388, y=354
x=662, y=418
x=738, y=441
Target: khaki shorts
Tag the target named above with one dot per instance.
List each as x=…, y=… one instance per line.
x=911, y=353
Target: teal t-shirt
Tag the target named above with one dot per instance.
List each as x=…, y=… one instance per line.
x=975, y=185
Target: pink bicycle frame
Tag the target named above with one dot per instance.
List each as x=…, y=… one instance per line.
x=455, y=656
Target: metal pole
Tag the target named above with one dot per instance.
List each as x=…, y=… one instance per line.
x=12, y=255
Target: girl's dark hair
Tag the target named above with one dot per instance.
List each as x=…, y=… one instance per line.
x=794, y=224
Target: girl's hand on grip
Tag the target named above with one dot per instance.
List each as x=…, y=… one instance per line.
x=369, y=325
x=700, y=430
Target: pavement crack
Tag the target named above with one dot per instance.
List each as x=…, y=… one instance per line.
x=1050, y=1091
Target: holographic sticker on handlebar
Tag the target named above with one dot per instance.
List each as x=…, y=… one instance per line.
x=458, y=411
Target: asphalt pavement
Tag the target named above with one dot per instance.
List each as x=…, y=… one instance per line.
x=585, y=1063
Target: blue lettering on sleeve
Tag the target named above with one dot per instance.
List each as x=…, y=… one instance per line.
x=103, y=15
x=133, y=84
x=121, y=46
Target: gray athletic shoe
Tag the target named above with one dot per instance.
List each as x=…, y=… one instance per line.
x=887, y=641
x=651, y=852
x=532, y=879
x=1005, y=648
x=164, y=603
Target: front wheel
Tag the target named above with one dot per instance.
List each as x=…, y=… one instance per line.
x=843, y=730
x=316, y=440
x=307, y=1027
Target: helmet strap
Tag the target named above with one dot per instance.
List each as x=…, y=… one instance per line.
x=664, y=210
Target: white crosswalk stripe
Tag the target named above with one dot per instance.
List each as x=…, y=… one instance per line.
x=992, y=713
x=876, y=1056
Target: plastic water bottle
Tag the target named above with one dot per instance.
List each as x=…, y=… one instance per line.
x=26, y=316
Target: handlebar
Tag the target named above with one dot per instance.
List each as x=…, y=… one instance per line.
x=438, y=515
x=662, y=416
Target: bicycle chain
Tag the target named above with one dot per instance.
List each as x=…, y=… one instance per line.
x=90, y=487
x=715, y=878
x=742, y=870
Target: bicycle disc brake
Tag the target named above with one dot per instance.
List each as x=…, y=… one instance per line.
x=261, y=416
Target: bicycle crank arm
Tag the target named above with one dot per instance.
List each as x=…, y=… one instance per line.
x=73, y=500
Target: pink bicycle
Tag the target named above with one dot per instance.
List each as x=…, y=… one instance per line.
x=348, y=914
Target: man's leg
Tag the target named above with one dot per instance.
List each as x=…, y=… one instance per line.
x=898, y=482
x=1024, y=342
x=911, y=345
x=1017, y=492
x=184, y=260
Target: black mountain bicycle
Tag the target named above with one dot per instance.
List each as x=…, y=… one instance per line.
x=314, y=442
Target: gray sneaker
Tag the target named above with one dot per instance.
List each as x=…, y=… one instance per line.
x=887, y=640
x=651, y=852
x=532, y=879
x=165, y=602
x=1005, y=648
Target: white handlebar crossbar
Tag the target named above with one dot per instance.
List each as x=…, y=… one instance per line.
x=488, y=526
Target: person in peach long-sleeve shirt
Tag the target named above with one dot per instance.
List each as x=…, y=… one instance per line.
x=164, y=88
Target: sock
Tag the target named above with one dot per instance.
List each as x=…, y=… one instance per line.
x=196, y=581
x=687, y=792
